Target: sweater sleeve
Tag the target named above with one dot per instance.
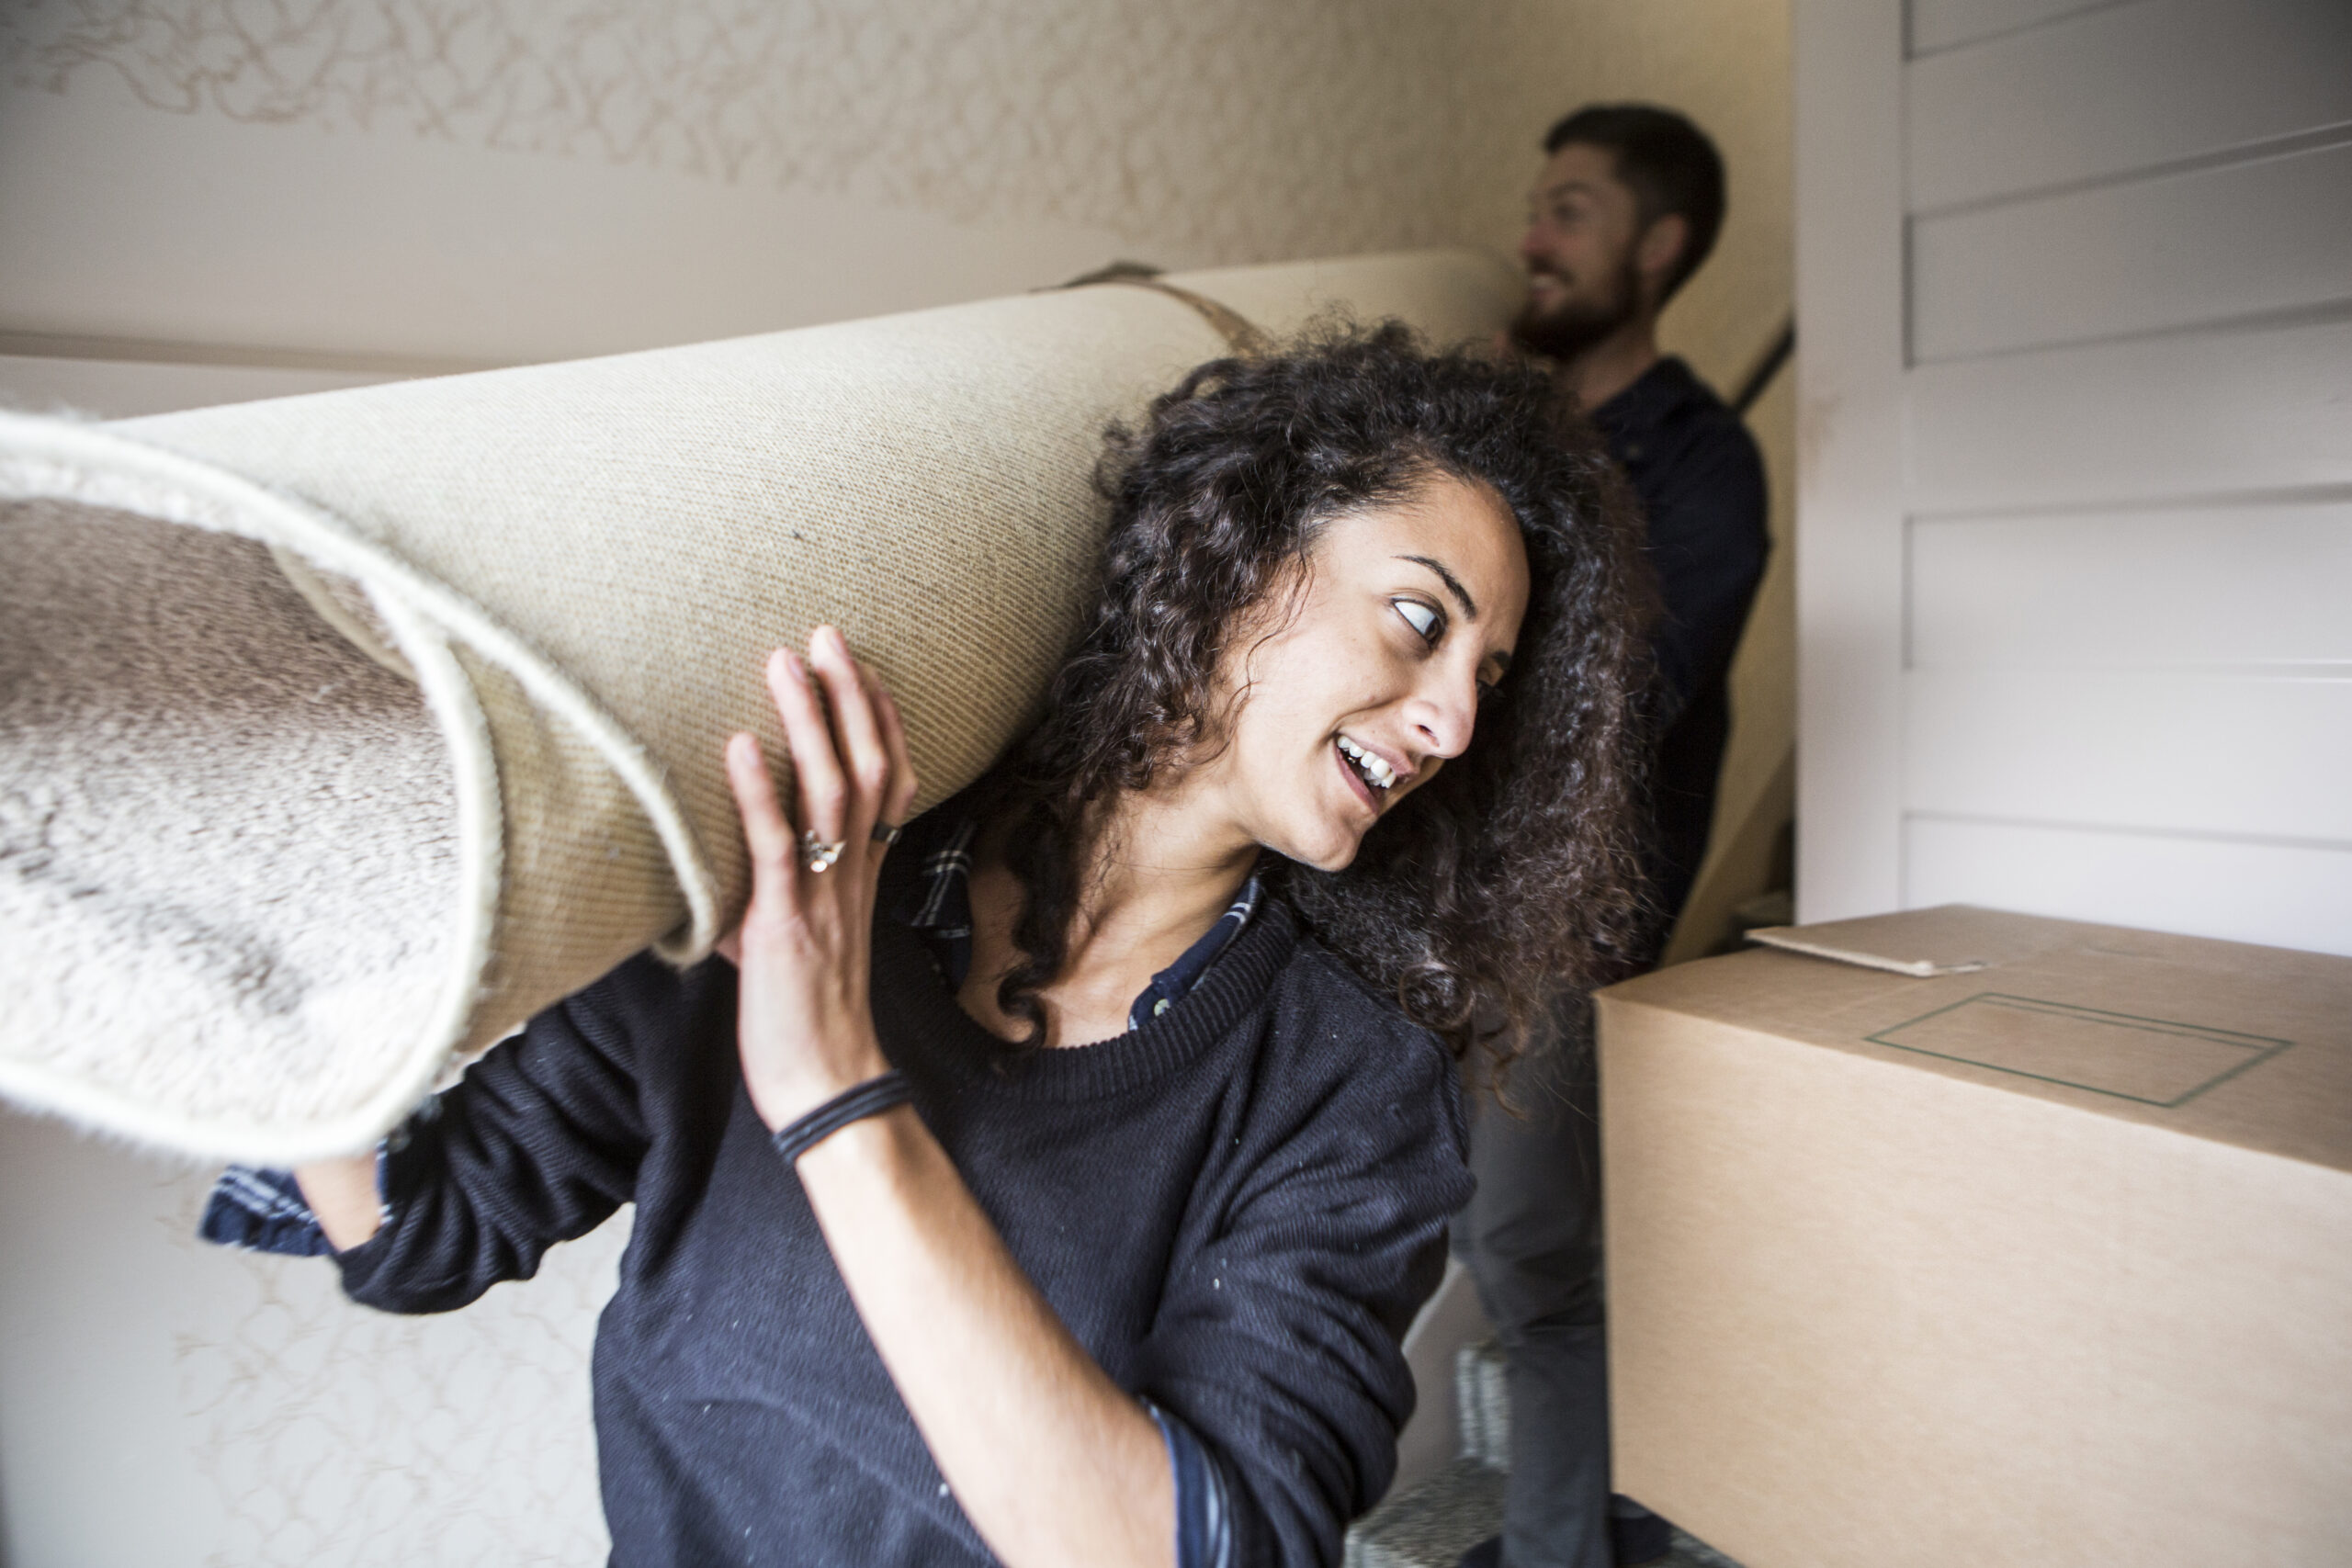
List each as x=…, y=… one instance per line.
x=538, y=1143
x=1279, y=1343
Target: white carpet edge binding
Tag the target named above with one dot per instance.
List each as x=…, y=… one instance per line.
x=44, y=458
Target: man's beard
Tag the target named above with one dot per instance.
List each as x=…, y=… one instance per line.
x=1573, y=327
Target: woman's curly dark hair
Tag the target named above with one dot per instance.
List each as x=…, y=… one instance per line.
x=1514, y=871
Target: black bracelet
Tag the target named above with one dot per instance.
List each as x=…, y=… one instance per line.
x=869, y=1098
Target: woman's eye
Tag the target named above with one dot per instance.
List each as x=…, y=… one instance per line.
x=1420, y=617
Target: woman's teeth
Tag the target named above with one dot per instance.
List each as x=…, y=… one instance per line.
x=1376, y=771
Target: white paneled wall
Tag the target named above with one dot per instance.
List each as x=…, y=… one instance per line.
x=2075, y=571
x=2133, y=257
x=2239, y=413
x=2195, y=588
x=2032, y=125
x=2285, y=895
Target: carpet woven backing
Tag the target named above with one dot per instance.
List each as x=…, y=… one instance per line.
x=338, y=734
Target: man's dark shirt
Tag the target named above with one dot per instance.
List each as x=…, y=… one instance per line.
x=1700, y=481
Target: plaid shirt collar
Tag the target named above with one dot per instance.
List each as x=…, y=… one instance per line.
x=942, y=911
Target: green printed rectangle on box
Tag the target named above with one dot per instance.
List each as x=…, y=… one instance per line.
x=2154, y=1061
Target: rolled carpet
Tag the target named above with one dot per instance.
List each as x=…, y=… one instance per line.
x=338, y=734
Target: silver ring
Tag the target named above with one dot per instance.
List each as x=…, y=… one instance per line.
x=818, y=854
x=886, y=835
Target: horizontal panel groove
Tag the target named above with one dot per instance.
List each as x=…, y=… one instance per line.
x=2312, y=140
x=2329, y=313
x=2320, y=672
x=2109, y=829
x=2169, y=500
x=1951, y=35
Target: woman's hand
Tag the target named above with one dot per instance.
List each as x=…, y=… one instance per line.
x=805, y=1026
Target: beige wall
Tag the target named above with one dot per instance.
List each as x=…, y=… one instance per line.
x=407, y=184
x=201, y=201
x=360, y=189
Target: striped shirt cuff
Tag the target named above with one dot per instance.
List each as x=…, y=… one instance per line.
x=264, y=1210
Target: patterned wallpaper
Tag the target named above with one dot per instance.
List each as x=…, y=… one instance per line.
x=1236, y=128
x=330, y=1434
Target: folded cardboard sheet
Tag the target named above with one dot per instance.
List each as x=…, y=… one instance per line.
x=339, y=734
x=1990, y=1240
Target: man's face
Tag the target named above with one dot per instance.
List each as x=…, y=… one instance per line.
x=1584, y=231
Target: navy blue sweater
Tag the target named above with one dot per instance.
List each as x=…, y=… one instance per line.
x=1236, y=1209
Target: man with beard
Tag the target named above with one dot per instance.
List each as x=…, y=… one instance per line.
x=1626, y=209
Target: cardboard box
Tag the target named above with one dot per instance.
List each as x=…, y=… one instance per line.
x=2038, y=1253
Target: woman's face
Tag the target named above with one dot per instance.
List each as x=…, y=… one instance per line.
x=1408, y=613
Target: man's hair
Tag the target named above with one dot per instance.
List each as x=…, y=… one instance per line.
x=1514, y=871
x=1668, y=164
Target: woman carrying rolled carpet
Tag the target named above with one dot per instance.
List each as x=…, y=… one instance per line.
x=1057, y=1185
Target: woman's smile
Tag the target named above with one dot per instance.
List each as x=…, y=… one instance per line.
x=1376, y=777
x=1377, y=770
x=1374, y=795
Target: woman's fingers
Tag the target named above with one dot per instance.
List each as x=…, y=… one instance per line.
x=900, y=798
x=804, y=1023
x=849, y=749
x=814, y=765
x=856, y=726
x=765, y=832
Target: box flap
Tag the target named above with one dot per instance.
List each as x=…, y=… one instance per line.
x=1955, y=939
x=2243, y=1044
